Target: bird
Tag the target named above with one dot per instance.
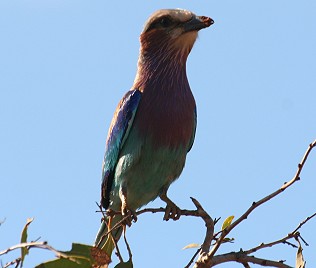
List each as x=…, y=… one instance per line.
x=154, y=124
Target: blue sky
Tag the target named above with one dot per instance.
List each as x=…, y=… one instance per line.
x=64, y=67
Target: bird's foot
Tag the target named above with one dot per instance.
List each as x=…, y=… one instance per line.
x=129, y=215
x=172, y=211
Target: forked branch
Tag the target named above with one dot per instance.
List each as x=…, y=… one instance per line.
x=208, y=260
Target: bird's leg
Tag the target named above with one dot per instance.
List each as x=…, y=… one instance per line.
x=172, y=210
x=125, y=210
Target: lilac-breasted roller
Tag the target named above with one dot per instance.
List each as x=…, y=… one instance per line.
x=153, y=127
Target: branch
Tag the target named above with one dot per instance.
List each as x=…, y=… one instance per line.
x=205, y=260
x=42, y=245
x=303, y=222
x=199, y=212
x=293, y=234
x=242, y=257
x=127, y=245
x=15, y=262
x=209, y=224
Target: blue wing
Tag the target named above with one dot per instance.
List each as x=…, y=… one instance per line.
x=118, y=132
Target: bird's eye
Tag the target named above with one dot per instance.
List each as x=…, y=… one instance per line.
x=165, y=22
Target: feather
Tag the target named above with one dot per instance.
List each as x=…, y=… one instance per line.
x=118, y=133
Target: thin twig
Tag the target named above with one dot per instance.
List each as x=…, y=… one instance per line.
x=283, y=240
x=290, y=244
x=15, y=262
x=42, y=245
x=118, y=253
x=271, y=244
x=101, y=210
x=299, y=235
x=303, y=222
x=130, y=255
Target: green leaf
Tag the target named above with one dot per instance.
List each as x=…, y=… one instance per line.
x=79, y=251
x=192, y=245
x=24, y=251
x=300, y=263
x=227, y=222
x=80, y=256
x=128, y=264
x=65, y=263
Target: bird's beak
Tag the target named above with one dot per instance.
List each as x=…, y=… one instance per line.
x=197, y=23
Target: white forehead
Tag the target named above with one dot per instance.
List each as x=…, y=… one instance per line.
x=178, y=14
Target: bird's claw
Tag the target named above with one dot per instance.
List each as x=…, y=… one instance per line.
x=172, y=211
x=129, y=215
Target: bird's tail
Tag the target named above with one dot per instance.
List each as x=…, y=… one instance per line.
x=105, y=242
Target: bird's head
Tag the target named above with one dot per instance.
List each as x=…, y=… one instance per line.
x=171, y=32
x=166, y=41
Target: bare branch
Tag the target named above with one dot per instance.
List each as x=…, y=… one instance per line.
x=283, y=240
x=118, y=252
x=299, y=235
x=303, y=222
x=271, y=244
x=15, y=262
x=199, y=212
x=207, y=259
x=241, y=257
x=209, y=224
x=42, y=245
x=130, y=255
